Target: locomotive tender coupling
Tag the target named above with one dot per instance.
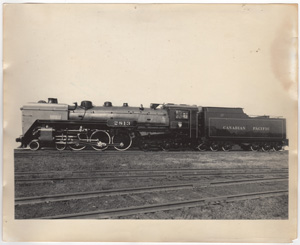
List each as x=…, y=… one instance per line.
x=161, y=126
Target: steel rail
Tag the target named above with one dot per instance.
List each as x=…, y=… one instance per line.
x=148, y=170
x=112, y=192
x=91, y=194
x=109, y=213
x=166, y=175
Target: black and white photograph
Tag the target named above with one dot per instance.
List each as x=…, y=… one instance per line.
x=151, y=117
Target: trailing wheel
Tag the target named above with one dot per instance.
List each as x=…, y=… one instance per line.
x=34, y=145
x=78, y=145
x=100, y=140
x=122, y=141
x=214, y=147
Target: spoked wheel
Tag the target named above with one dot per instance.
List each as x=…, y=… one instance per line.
x=60, y=146
x=202, y=147
x=226, y=147
x=100, y=140
x=78, y=146
x=123, y=141
x=266, y=147
x=214, y=147
x=34, y=145
x=254, y=147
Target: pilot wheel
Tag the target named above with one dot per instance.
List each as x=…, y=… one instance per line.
x=78, y=144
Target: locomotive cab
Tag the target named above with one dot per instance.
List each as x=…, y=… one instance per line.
x=184, y=119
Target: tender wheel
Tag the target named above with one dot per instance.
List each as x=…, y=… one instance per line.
x=202, y=147
x=78, y=146
x=214, y=147
x=226, y=147
x=277, y=147
x=123, y=140
x=100, y=140
x=254, y=147
x=266, y=147
x=34, y=145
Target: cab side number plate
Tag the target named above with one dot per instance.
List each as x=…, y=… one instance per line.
x=120, y=123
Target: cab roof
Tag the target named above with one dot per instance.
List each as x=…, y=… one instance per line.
x=179, y=106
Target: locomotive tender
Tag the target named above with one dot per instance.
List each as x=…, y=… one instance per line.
x=164, y=126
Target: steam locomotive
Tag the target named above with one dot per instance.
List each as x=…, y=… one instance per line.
x=161, y=126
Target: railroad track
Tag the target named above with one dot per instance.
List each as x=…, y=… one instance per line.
x=148, y=170
x=128, y=191
x=167, y=174
x=110, y=213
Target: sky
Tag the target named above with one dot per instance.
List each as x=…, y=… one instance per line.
x=229, y=55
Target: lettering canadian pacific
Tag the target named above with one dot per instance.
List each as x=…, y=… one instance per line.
x=244, y=128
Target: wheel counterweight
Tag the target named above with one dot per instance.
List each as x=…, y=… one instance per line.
x=100, y=140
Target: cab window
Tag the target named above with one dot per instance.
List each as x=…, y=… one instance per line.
x=182, y=114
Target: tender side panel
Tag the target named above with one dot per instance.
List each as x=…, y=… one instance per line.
x=238, y=128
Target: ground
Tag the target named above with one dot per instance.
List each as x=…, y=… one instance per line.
x=99, y=171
